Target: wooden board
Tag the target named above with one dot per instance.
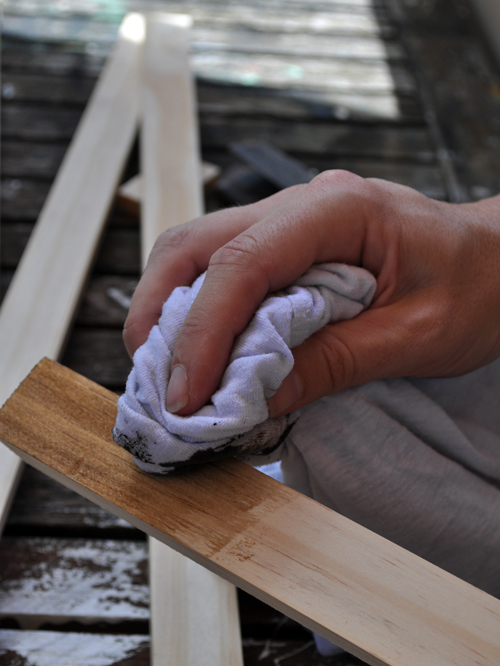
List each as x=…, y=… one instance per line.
x=41, y=300
x=130, y=193
x=40, y=88
x=106, y=300
x=194, y=613
x=355, y=588
x=31, y=160
x=47, y=581
x=393, y=142
x=51, y=648
x=286, y=72
x=44, y=507
x=99, y=354
x=23, y=198
x=170, y=149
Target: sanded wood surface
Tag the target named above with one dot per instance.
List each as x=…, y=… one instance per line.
x=170, y=161
x=40, y=303
x=194, y=613
x=384, y=604
x=130, y=193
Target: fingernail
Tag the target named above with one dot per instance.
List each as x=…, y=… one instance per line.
x=288, y=394
x=177, y=391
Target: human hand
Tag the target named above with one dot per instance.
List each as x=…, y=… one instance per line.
x=436, y=310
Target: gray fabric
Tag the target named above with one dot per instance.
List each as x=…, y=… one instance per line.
x=416, y=461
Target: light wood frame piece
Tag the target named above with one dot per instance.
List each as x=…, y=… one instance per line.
x=194, y=613
x=130, y=193
x=39, y=306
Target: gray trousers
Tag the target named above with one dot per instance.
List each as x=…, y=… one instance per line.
x=416, y=461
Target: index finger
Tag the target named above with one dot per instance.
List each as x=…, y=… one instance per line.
x=181, y=254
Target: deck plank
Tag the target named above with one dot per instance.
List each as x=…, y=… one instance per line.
x=90, y=581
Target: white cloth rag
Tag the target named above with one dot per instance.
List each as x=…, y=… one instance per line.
x=236, y=420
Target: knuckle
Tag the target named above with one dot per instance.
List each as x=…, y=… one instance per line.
x=332, y=179
x=195, y=328
x=242, y=252
x=338, y=362
x=174, y=240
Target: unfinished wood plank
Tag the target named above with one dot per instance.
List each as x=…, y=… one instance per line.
x=169, y=141
x=194, y=613
x=130, y=193
x=355, y=588
x=89, y=581
x=40, y=303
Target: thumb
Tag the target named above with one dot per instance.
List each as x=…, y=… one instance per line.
x=349, y=353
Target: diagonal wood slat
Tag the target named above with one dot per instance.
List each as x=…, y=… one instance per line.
x=40, y=303
x=357, y=589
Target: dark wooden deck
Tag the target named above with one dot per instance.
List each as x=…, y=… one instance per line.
x=398, y=90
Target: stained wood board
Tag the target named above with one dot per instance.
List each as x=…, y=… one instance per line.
x=194, y=613
x=40, y=303
x=353, y=587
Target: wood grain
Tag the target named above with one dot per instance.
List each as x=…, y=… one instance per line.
x=130, y=193
x=170, y=160
x=40, y=303
x=364, y=593
x=194, y=613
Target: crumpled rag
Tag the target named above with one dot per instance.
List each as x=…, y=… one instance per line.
x=236, y=420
